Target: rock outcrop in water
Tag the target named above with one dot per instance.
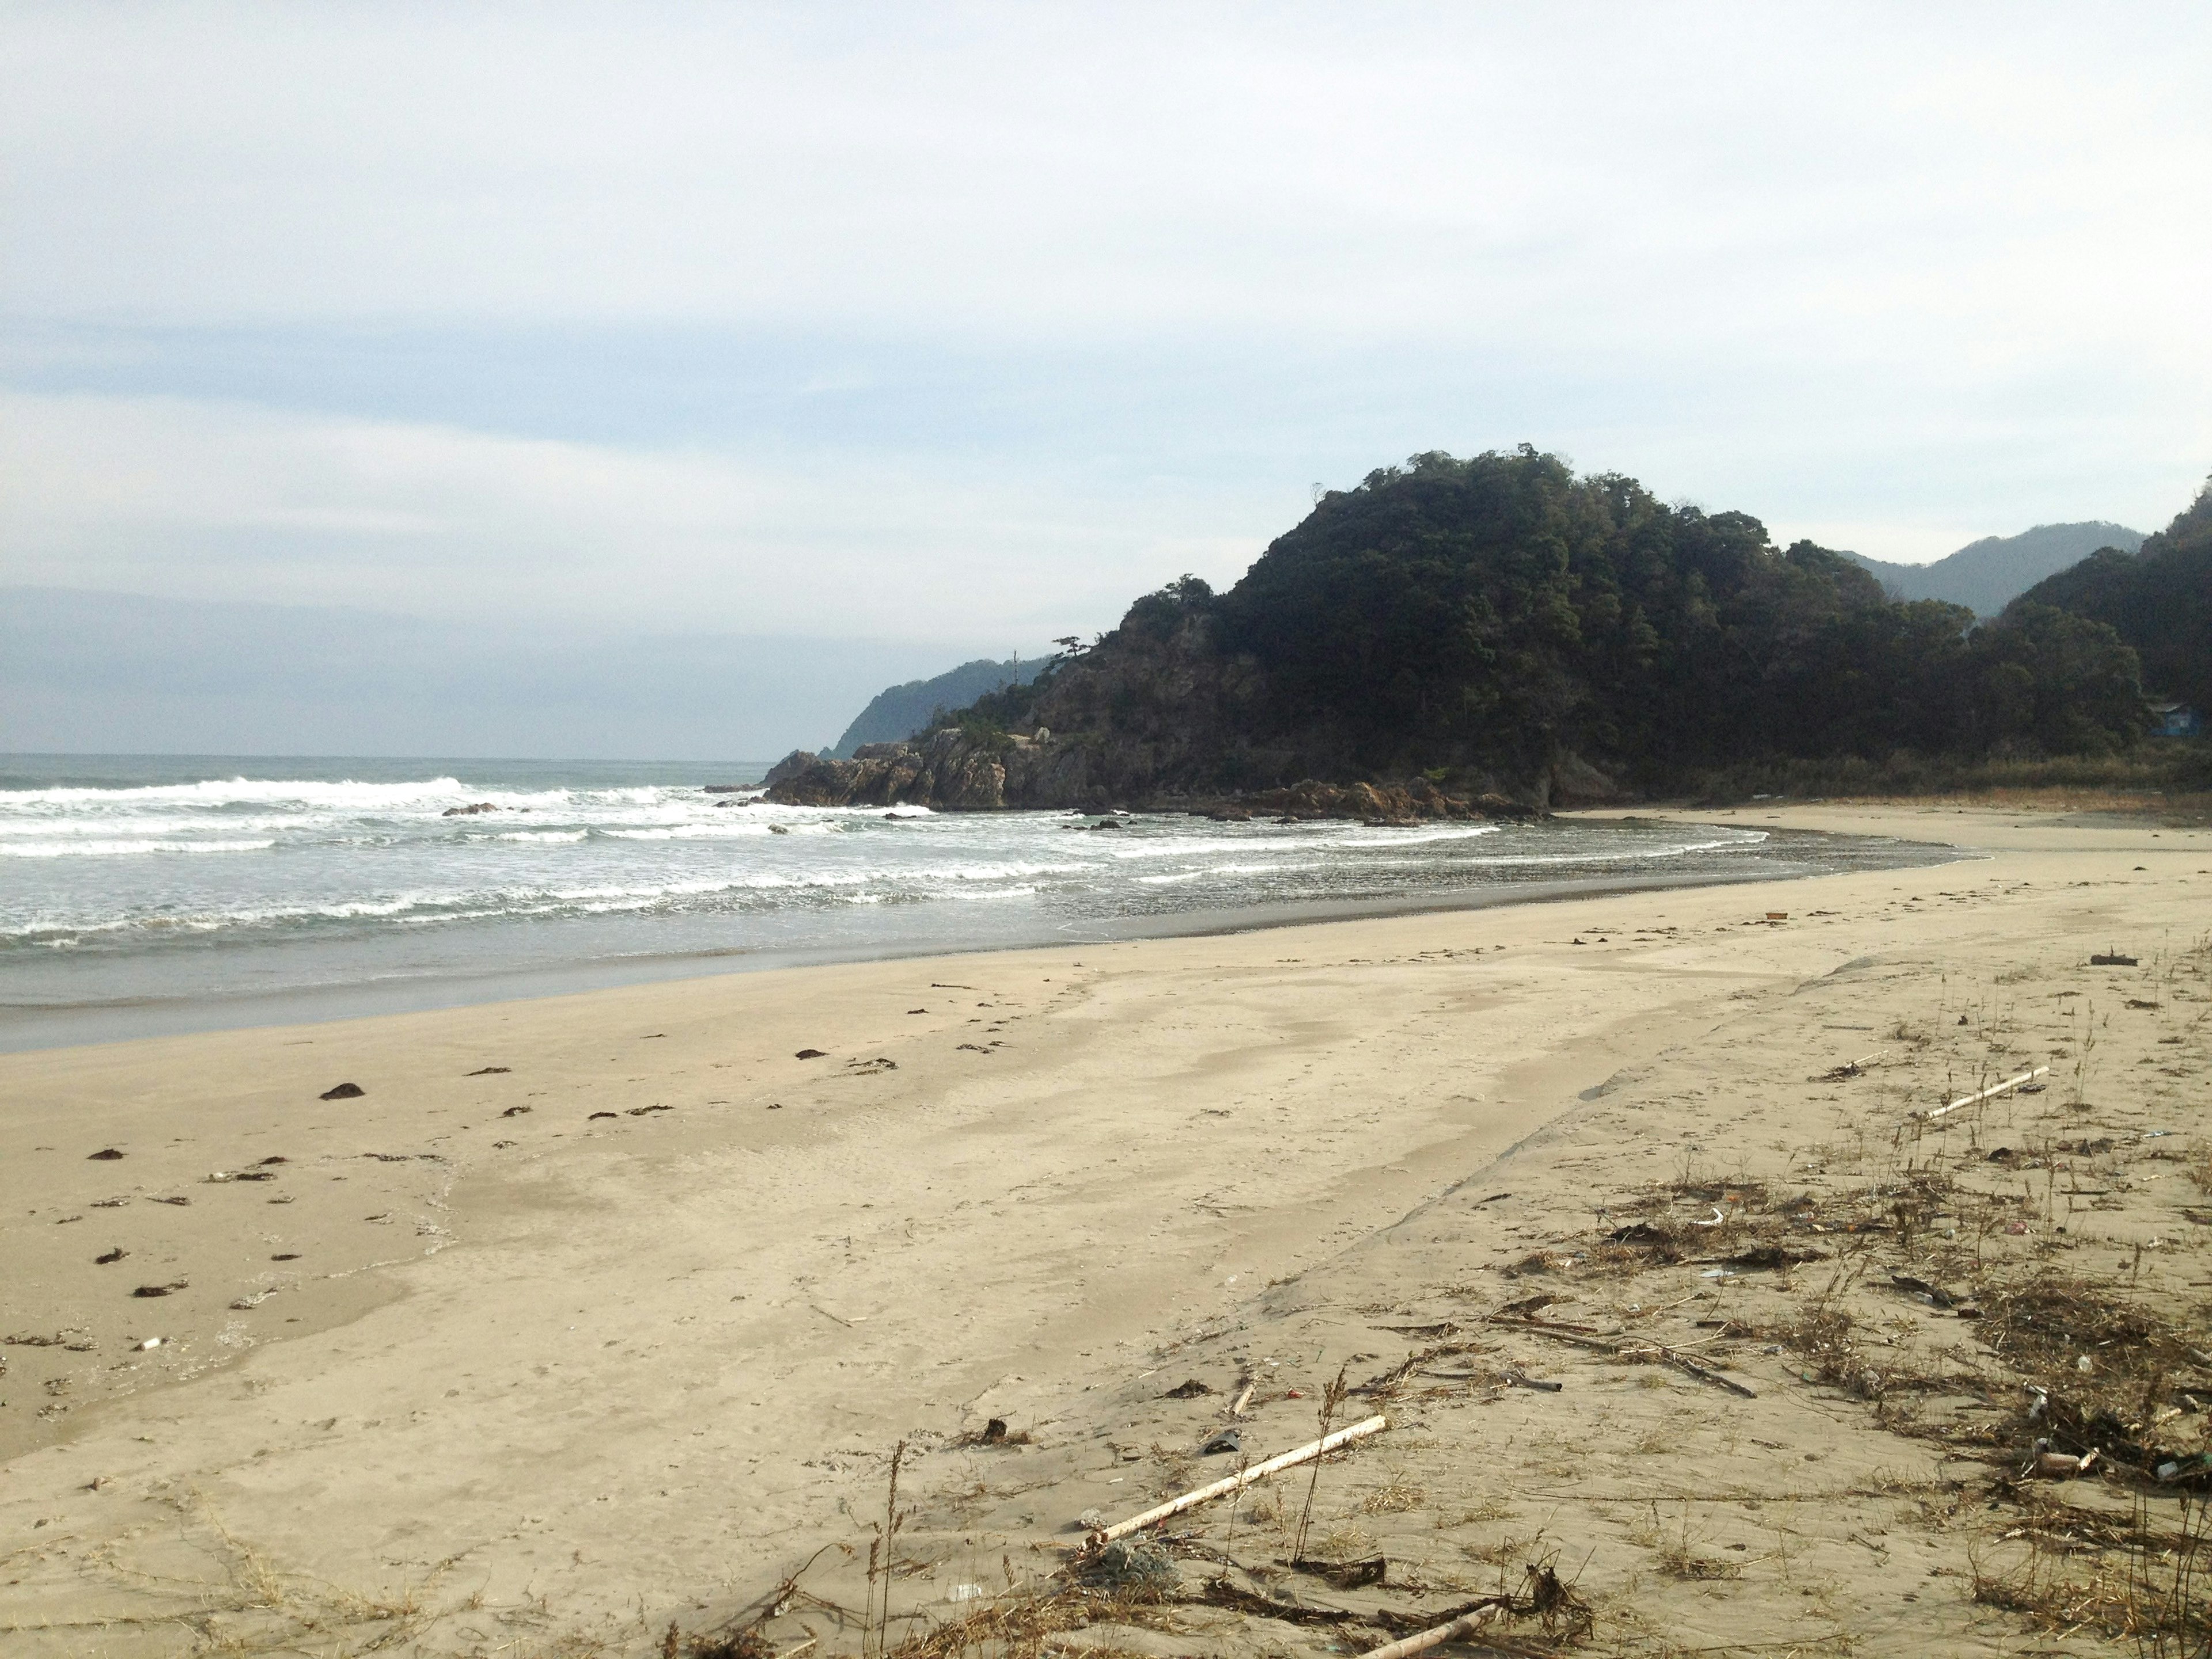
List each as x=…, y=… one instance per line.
x=955, y=771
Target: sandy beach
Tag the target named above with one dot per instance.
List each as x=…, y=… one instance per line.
x=600, y=1313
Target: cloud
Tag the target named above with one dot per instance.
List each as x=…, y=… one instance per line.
x=222, y=501
x=954, y=321
x=1712, y=171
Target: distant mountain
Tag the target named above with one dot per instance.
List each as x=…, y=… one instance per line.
x=1987, y=575
x=902, y=710
x=2159, y=600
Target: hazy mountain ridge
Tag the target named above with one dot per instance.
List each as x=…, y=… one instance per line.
x=2158, y=600
x=1987, y=575
x=900, y=711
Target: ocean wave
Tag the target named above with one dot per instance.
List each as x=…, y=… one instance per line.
x=158, y=825
x=121, y=848
x=243, y=791
x=1177, y=877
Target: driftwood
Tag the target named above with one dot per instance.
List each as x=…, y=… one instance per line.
x=1258, y=1472
x=1467, y=1623
x=1243, y=1397
x=1665, y=1355
x=1220, y=1593
x=1994, y=1089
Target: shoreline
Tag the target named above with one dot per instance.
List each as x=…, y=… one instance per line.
x=33, y=1027
x=621, y=1333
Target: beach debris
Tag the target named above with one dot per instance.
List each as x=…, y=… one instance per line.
x=285, y=1255
x=1523, y=1380
x=2111, y=959
x=344, y=1092
x=601, y=1114
x=1529, y=1304
x=1719, y=1216
x=1100, y=1537
x=116, y=1254
x=1229, y=1440
x=812, y=1054
x=150, y=1344
x=1778, y=915
x=1221, y=1593
x=179, y=1199
x=1934, y=1295
x=2057, y=1465
x=514, y=1111
x=1243, y=1397
x=635, y=1111
x=487, y=1071
x=161, y=1289
x=1190, y=1390
x=1466, y=1625
x=1628, y=1350
x=1850, y=1068
x=105, y=1155
x=1347, y=1575
x=994, y=1431
x=1131, y=1566
x=1934, y=1112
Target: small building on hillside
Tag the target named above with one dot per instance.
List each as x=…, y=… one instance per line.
x=2175, y=719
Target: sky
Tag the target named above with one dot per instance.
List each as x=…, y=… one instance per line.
x=945, y=330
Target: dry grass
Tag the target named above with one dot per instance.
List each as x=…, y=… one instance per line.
x=2133, y=1582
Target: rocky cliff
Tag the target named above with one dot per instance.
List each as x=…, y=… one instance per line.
x=952, y=770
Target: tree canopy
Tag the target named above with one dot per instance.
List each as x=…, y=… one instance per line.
x=1491, y=614
x=2159, y=600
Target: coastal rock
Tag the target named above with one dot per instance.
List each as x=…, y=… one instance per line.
x=468, y=812
x=947, y=770
x=954, y=771
x=1574, y=781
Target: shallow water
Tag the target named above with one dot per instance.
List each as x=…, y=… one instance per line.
x=156, y=893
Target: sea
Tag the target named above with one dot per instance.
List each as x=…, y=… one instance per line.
x=141, y=896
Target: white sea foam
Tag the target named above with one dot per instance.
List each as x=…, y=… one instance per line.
x=119, y=848
x=361, y=879
x=342, y=795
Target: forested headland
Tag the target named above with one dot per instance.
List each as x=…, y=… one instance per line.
x=1500, y=622
x=1500, y=626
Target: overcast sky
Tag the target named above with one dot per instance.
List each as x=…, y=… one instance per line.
x=966, y=324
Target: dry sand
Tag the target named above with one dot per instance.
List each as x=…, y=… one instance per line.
x=541, y=1358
